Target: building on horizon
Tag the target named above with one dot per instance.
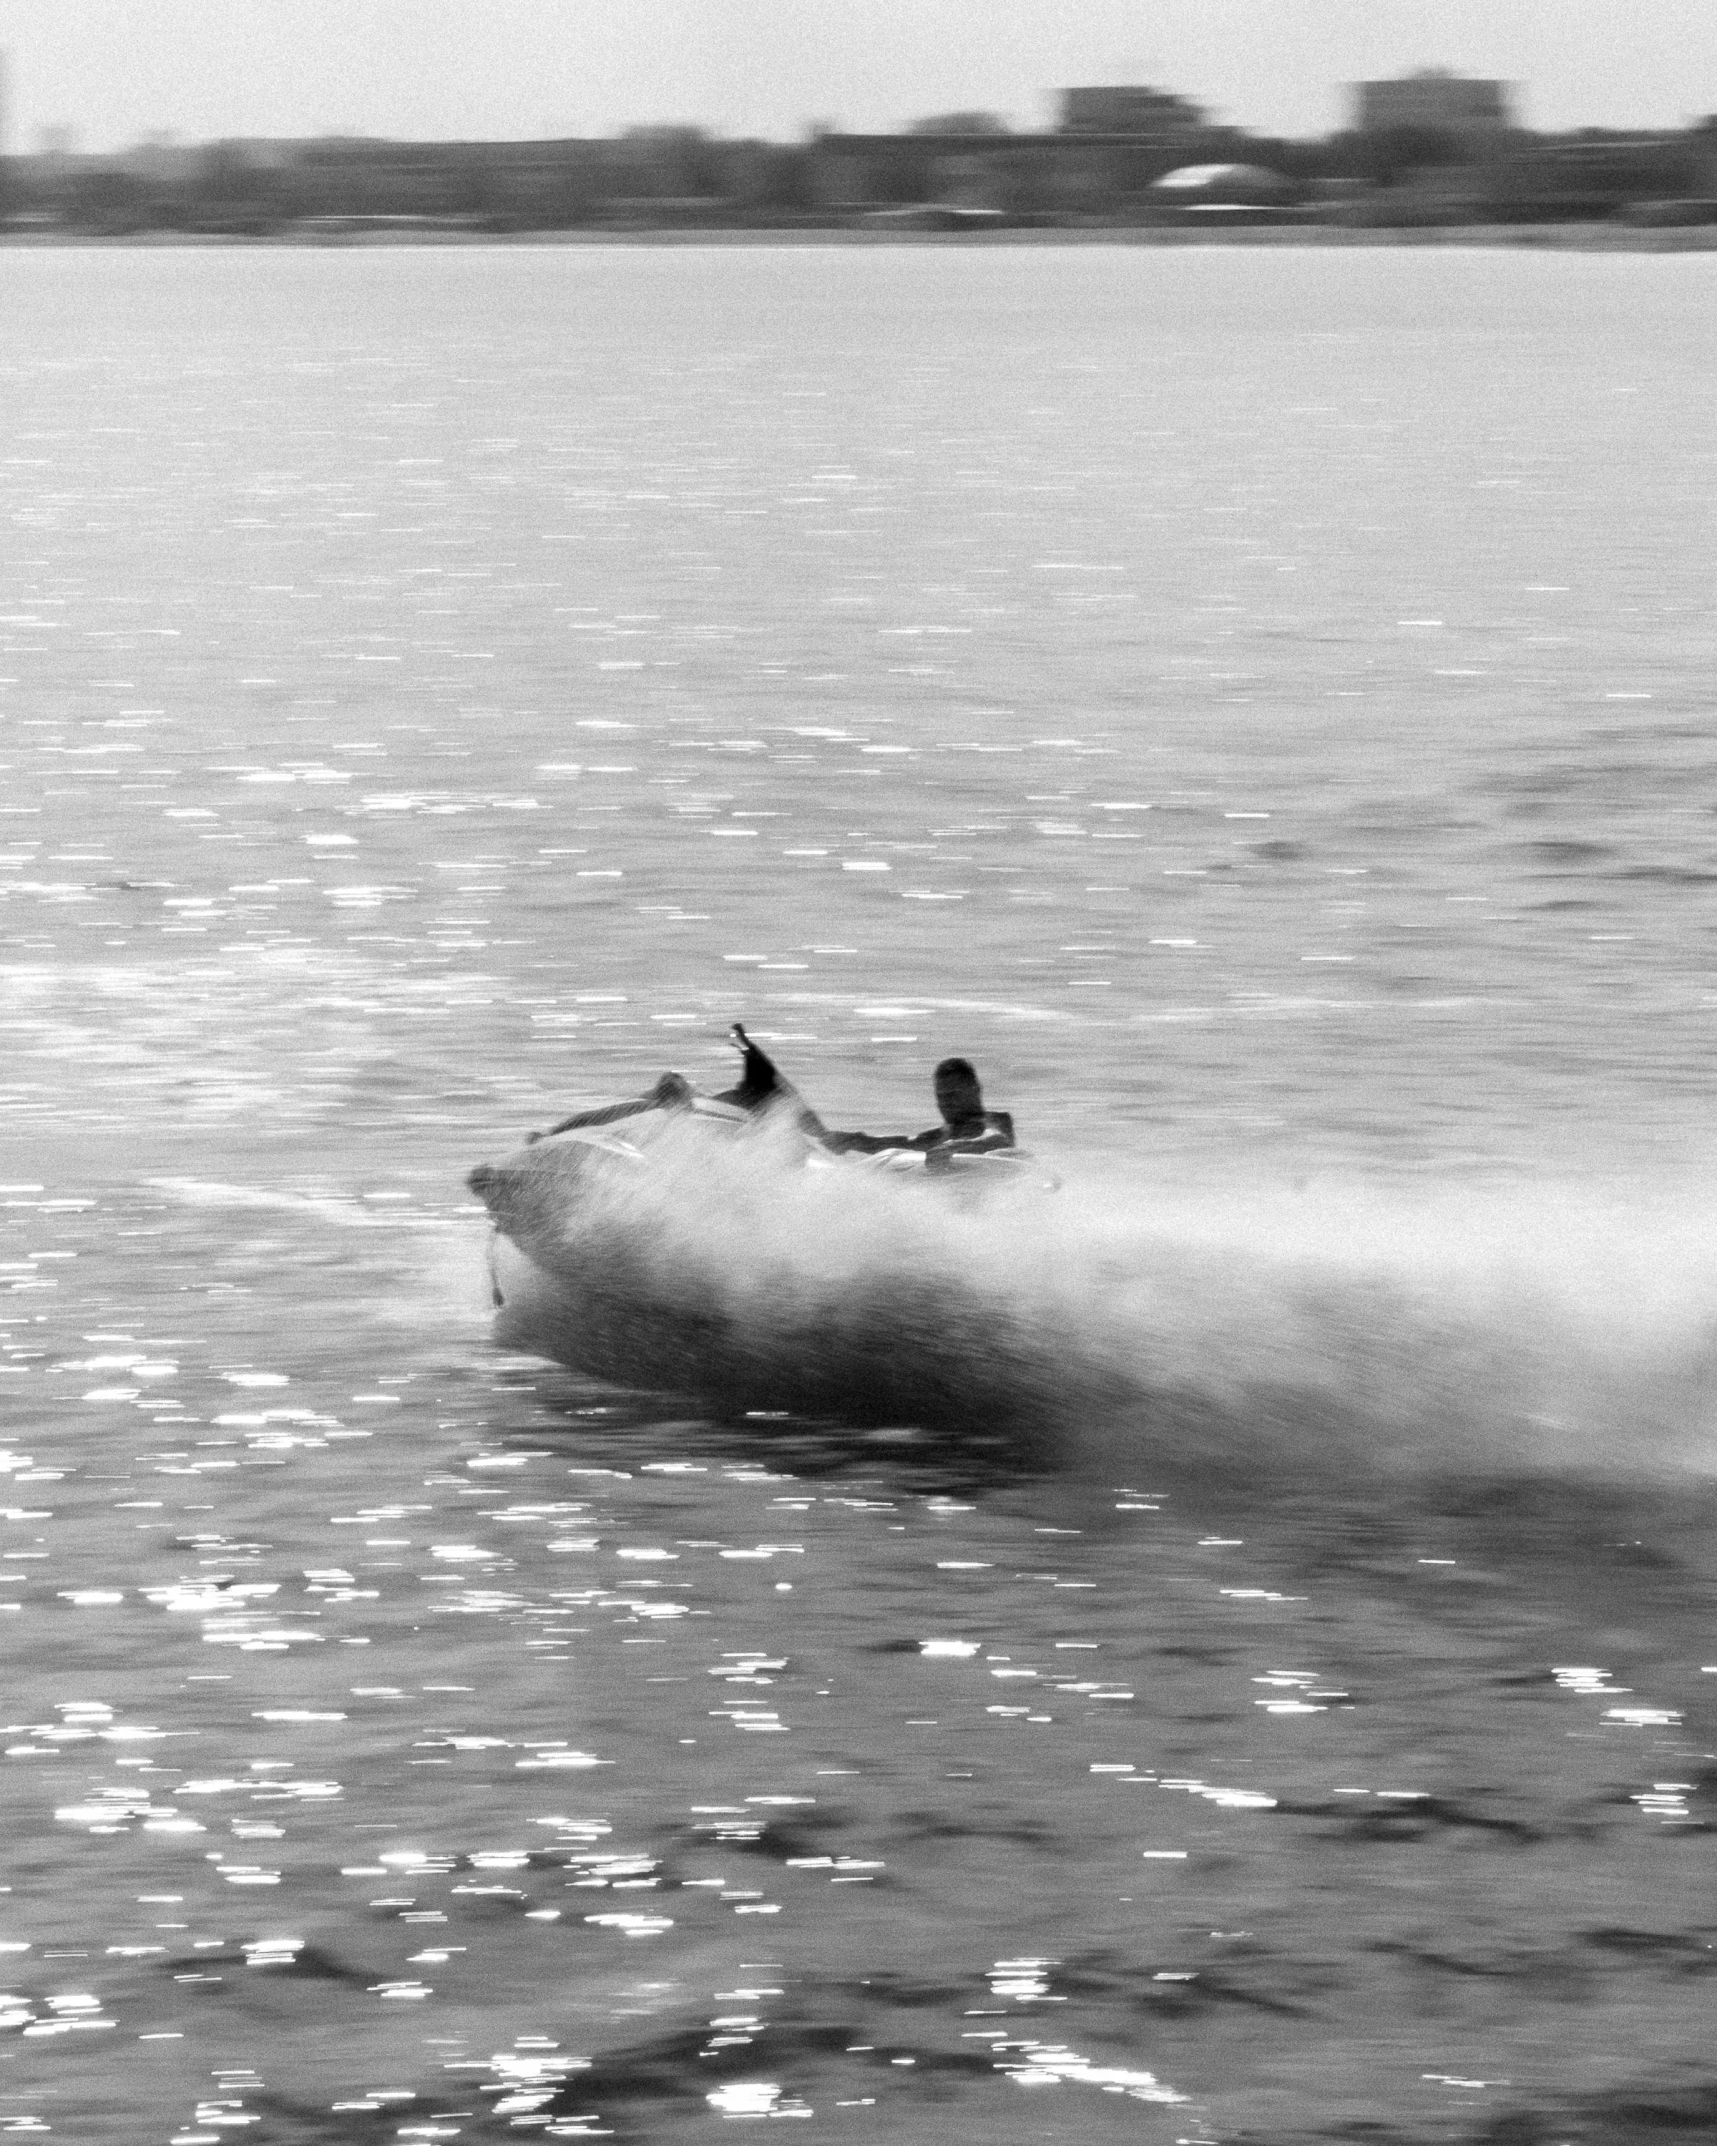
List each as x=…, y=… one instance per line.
x=1078, y=173
x=1433, y=97
x=160, y=158
x=1122, y=109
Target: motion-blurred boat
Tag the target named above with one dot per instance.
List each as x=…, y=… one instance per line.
x=711, y=1248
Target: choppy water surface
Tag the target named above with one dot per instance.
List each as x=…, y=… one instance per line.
x=1257, y=706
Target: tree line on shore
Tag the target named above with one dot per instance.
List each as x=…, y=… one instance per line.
x=683, y=176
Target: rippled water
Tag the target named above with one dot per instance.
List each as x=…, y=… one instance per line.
x=1258, y=707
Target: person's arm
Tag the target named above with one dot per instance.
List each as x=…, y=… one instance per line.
x=671, y=1092
x=868, y=1143
x=996, y=1138
x=991, y=1142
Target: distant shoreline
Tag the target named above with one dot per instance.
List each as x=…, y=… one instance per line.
x=1556, y=238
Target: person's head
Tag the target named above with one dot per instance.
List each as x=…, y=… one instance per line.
x=958, y=1095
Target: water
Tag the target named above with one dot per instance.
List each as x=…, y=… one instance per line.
x=1258, y=707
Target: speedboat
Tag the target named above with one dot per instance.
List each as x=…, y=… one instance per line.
x=723, y=1247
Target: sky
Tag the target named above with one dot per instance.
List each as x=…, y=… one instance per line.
x=114, y=70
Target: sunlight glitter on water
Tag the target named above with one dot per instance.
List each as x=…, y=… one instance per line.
x=266, y=1005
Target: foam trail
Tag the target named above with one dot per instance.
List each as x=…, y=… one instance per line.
x=1463, y=1332
x=1497, y=1332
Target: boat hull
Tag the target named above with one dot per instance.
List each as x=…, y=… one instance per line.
x=884, y=1356
x=725, y=1276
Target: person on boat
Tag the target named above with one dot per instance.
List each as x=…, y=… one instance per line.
x=760, y=1086
x=967, y=1128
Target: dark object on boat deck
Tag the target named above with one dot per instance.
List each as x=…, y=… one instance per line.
x=761, y=1084
x=759, y=1078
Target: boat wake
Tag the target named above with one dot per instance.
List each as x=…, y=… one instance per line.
x=1276, y=1333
